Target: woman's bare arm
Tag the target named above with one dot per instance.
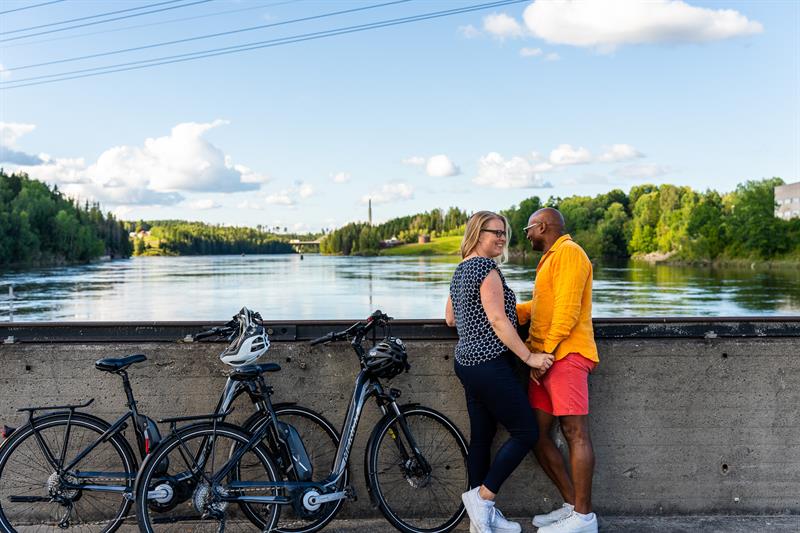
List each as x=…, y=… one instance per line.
x=449, y=314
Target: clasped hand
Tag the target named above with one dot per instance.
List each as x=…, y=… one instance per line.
x=539, y=362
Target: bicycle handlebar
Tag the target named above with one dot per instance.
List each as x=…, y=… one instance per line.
x=378, y=318
x=213, y=332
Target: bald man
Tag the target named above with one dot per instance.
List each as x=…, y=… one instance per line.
x=560, y=317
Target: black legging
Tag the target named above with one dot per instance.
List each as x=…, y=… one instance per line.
x=495, y=394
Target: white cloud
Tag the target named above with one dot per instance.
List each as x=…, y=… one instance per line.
x=469, y=31
x=280, y=198
x=250, y=204
x=552, y=56
x=440, y=166
x=248, y=175
x=565, y=154
x=305, y=190
x=4, y=73
x=340, y=177
x=502, y=26
x=620, y=152
x=643, y=171
x=154, y=173
x=390, y=192
x=414, y=160
x=437, y=166
x=11, y=131
x=608, y=24
x=530, y=52
x=497, y=172
x=204, y=203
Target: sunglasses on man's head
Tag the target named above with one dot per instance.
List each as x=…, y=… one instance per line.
x=526, y=228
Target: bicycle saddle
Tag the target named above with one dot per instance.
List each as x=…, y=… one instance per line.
x=253, y=371
x=110, y=364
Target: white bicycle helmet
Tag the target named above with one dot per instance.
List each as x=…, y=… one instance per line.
x=250, y=343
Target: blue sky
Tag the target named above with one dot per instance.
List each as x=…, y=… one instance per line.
x=478, y=110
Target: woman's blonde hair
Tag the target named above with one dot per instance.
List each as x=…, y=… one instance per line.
x=472, y=234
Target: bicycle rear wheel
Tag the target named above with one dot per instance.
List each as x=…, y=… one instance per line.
x=183, y=497
x=412, y=499
x=34, y=497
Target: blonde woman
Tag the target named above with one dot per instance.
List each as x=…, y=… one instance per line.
x=483, y=309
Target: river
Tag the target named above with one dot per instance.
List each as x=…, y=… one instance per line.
x=286, y=287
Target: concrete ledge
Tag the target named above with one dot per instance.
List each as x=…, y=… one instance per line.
x=683, y=422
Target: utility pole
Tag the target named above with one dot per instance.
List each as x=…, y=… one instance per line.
x=369, y=214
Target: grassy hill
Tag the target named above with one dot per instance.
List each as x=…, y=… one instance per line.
x=439, y=246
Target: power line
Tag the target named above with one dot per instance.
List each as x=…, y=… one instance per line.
x=137, y=65
x=89, y=17
x=149, y=24
x=104, y=21
x=211, y=35
x=30, y=7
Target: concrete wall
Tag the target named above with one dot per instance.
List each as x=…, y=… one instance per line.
x=687, y=424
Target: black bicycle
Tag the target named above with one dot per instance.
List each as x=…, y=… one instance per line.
x=415, y=461
x=67, y=468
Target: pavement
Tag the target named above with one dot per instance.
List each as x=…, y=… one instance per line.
x=627, y=524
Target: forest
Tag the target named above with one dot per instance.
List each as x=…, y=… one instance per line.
x=662, y=220
x=180, y=237
x=42, y=226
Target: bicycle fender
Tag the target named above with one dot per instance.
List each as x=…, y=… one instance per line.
x=372, y=437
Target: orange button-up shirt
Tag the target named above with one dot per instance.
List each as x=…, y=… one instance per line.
x=560, y=313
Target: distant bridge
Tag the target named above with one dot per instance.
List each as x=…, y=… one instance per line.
x=304, y=246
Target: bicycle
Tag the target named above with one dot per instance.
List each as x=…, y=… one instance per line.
x=415, y=461
x=70, y=468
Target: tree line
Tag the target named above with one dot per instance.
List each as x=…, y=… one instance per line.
x=667, y=220
x=360, y=238
x=40, y=225
x=179, y=237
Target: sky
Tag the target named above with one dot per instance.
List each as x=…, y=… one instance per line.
x=477, y=110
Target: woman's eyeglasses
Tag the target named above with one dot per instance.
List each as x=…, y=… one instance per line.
x=499, y=233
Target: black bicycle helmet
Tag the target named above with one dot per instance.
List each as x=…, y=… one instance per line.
x=387, y=359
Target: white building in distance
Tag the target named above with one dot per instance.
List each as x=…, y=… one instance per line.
x=787, y=200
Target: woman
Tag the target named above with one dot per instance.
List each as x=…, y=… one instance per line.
x=483, y=310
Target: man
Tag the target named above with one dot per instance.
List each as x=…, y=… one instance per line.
x=560, y=317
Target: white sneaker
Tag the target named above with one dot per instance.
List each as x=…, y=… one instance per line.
x=572, y=524
x=498, y=524
x=478, y=510
x=541, y=520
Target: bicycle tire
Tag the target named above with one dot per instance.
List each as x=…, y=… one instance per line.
x=435, y=450
x=51, y=428
x=321, y=460
x=151, y=478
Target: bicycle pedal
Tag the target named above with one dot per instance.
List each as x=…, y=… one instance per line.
x=351, y=493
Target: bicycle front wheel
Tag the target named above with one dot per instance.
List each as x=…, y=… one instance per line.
x=35, y=495
x=413, y=496
x=176, y=490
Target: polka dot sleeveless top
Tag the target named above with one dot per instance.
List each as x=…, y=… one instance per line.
x=477, y=341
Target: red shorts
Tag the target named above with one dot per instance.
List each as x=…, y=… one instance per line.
x=564, y=389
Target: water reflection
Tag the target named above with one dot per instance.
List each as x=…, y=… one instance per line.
x=284, y=287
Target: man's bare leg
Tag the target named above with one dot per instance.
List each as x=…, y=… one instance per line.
x=581, y=459
x=550, y=458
